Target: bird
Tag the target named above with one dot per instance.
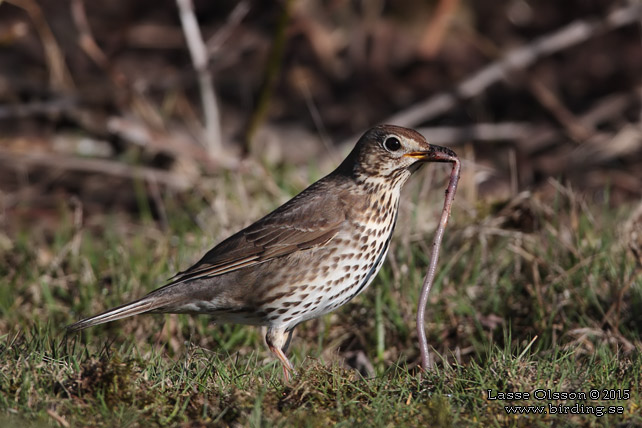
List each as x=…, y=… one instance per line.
x=306, y=258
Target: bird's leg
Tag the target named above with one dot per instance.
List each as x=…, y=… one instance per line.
x=287, y=365
x=278, y=340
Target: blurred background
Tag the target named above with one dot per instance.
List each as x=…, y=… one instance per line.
x=98, y=96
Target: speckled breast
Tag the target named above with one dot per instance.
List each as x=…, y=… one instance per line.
x=341, y=270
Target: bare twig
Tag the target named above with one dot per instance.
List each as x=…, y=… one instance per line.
x=55, y=416
x=447, y=155
x=527, y=134
x=174, y=143
x=236, y=16
x=608, y=108
x=155, y=193
x=99, y=166
x=59, y=76
x=605, y=147
x=547, y=98
x=52, y=107
x=86, y=39
x=198, y=52
x=457, y=135
x=89, y=45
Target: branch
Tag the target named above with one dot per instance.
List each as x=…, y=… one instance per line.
x=237, y=15
x=458, y=135
x=97, y=166
x=59, y=76
x=198, y=52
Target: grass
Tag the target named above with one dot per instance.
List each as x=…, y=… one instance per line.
x=540, y=293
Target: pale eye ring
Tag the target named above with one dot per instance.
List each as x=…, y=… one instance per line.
x=392, y=144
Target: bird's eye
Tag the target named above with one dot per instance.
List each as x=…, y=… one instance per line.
x=392, y=144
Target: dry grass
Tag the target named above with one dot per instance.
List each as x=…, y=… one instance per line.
x=535, y=292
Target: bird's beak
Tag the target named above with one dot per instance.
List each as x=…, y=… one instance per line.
x=434, y=154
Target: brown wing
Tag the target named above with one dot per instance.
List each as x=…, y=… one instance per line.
x=308, y=220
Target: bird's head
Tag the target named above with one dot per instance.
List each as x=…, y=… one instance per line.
x=393, y=152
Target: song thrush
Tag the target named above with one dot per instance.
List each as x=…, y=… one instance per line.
x=306, y=258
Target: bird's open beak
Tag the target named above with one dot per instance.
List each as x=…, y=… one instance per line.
x=435, y=154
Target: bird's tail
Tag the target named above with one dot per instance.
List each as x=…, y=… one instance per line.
x=146, y=304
